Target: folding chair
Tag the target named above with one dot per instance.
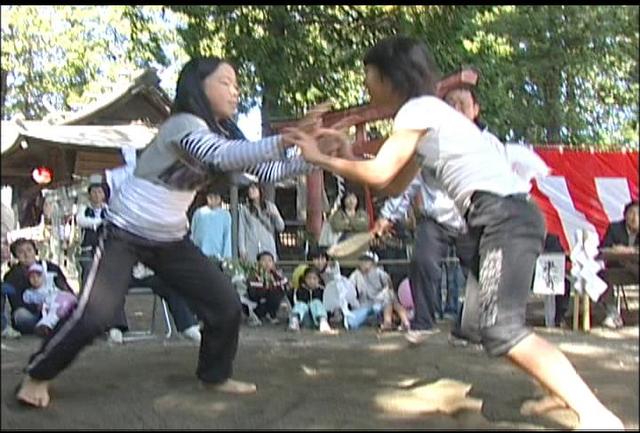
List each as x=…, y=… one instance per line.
x=149, y=333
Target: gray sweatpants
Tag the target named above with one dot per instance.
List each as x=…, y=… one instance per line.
x=509, y=233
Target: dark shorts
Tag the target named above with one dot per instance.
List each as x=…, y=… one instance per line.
x=509, y=233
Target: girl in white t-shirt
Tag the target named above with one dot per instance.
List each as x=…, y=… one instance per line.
x=431, y=136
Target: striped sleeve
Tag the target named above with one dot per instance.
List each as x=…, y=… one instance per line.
x=230, y=155
x=269, y=172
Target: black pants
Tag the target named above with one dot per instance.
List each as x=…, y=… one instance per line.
x=268, y=300
x=431, y=246
x=119, y=319
x=510, y=234
x=181, y=265
x=180, y=310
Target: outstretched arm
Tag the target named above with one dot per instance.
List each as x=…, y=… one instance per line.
x=390, y=171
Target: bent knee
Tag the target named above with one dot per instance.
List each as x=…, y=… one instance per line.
x=498, y=340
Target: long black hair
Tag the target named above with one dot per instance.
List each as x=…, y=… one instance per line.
x=262, y=203
x=190, y=96
x=407, y=63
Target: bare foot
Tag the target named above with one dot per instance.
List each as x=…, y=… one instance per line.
x=544, y=404
x=603, y=420
x=233, y=387
x=34, y=392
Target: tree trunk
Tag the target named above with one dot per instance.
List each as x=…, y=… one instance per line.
x=554, y=114
x=3, y=76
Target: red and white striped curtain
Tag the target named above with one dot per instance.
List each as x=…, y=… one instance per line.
x=585, y=190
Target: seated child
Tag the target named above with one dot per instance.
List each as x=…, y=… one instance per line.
x=54, y=303
x=307, y=303
x=267, y=287
x=375, y=294
x=339, y=294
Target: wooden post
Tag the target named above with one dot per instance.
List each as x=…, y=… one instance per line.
x=586, y=316
x=576, y=310
x=315, y=183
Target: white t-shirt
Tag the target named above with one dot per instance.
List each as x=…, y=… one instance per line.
x=524, y=162
x=454, y=152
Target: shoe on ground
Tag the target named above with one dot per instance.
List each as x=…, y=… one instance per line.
x=115, y=336
x=325, y=328
x=452, y=317
x=272, y=320
x=386, y=327
x=419, y=336
x=294, y=323
x=254, y=321
x=456, y=341
x=10, y=333
x=337, y=318
x=618, y=321
x=232, y=387
x=42, y=331
x=283, y=311
x=193, y=333
x=612, y=322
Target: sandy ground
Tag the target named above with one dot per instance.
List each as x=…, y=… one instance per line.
x=357, y=380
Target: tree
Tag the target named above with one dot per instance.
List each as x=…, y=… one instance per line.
x=290, y=56
x=550, y=74
x=57, y=58
x=560, y=74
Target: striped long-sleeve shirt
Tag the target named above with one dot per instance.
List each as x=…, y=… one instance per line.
x=153, y=201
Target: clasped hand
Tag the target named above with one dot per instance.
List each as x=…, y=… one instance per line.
x=316, y=142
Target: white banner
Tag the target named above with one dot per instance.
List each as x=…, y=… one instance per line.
x=549, y=276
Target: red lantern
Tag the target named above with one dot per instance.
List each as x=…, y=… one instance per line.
x=42, y=175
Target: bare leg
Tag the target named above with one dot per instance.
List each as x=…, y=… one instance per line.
x=553, y=370
x=387, y=317
x=542, y=405
x=34, y=392
x=402, y=313
x=547, y=402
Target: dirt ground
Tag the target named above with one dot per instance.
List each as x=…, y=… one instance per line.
x=357, y=380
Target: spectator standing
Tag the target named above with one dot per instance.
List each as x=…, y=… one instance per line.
x=259, y=221
x=90, y=219
x=211, y=228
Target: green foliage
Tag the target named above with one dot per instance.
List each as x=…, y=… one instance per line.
x=559, y=74
x=549, y=74
x=61, y=57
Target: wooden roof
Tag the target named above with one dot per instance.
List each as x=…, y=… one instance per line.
x=87, y=141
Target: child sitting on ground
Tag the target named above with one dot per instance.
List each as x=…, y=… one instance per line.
x=54, y=303
x=267, y=287
x=375, y=294
x=339, y=294
x=308, y=308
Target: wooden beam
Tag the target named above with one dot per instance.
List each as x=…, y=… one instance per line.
x=15, y=172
